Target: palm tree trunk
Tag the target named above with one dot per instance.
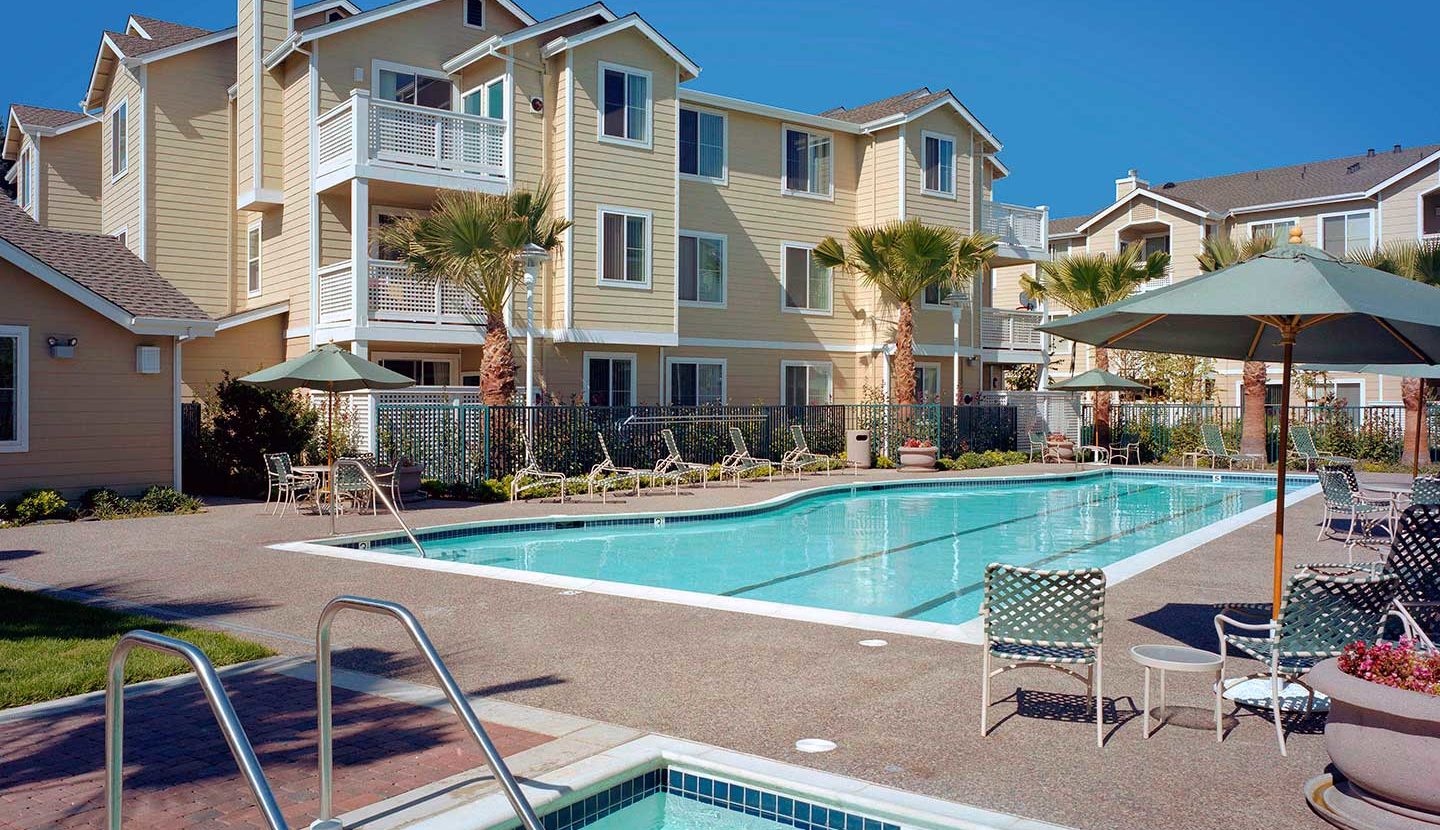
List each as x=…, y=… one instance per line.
x=1252, y=427
x=497, y=364
x=1102, y=401
x=903, y=376
x=1414, y=422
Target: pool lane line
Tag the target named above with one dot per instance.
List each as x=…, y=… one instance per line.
x=841, y=563
x=950, y=596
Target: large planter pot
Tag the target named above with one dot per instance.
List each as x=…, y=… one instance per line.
x=407, y=478
x=918, y=458
x=1385, y=740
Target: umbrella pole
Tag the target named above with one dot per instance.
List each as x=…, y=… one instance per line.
x=1420, y=418
x=330, y=453
x=1281, y=453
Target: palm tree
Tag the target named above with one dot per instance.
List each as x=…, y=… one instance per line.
x=1218, y=252
x=902, y=260
x=1086, y=281
x=474, y=241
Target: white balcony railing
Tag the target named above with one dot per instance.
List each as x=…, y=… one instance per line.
x=337, y=293
x=1017, y=226
x=397, y=295
x=405, y=135
x=1010, y=330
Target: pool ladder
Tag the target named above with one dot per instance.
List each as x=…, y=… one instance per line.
x=234, y=733
x=379, y=492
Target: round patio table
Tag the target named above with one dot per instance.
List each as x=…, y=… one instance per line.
x=321, y=473
x=1168, y=658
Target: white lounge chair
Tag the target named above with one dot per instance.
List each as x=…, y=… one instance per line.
x=607, y=474
x=801, y=456
x=531, y=476
x=740, y=461
x=674, y=464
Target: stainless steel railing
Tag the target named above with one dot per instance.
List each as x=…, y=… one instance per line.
x=323, y=680
x=380, y=494
x=219, y=704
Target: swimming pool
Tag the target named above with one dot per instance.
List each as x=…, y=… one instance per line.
x=913, y=551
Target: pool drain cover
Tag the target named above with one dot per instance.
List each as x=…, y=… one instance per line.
x=814, y=745
x=874, y=643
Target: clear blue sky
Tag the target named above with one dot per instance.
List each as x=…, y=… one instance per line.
x=1078, y=93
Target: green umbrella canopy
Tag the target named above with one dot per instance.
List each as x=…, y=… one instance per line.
x=328, y=368
x=1395, y=370
x=1098, y=380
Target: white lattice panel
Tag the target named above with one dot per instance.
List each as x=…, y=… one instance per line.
x=336, y=293
x=333, y=137
x=439, y=139
x=1015, y=225
x=399, y=295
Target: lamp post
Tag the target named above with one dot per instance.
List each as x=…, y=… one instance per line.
x=957, y=299
x=534, y=256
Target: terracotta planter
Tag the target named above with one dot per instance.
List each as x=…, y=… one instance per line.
x=918, y=458
x=1385, y=740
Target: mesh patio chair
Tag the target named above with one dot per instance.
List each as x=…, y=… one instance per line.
x=675, y=464
x=1040, y=443
x=531, y=476
x=740, y=461
x=799, y=457
x=1302, y=449
x=1215, y=449
x=1343, y=500
x=1044, y=619
x=606, y=475
x=385, y=478
x=1425, y=490
x=1319, y=616
x=350, y=486
x=283, y=484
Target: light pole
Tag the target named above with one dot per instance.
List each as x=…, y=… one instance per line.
x=534, y=256
x=957, y=299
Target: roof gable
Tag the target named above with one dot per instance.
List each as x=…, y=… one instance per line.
x=907, y=106
x=38, y=121
x=629, y=21
x=575, y=18
x=1182, y=206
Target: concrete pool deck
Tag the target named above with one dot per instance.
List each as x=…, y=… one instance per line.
x=905, y=715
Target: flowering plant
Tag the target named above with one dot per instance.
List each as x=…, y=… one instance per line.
x=917, y=443
x=1393, y=664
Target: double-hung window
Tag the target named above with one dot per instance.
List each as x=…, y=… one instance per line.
x=807, y=162
x=696, y=381
x=487, y=99
x=119, y=140
x=927, y=382
x=411, y=86
x=14, y=385
x=805, y=383
x=935, y=295
x=1346, y=233
x=702, y=268
x=702, y=144
x=806, y=282
x=625, y=110
x=624, y=247
x=610, y=379
x=939, y=164
x=424, y=371
x=1279, y=229
x=252, y=260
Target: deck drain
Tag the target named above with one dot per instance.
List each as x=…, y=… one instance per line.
x=569, y=593
x=814, y=745
x=874, y=643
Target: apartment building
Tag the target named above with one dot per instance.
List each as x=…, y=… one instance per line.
x=1342, y=205
x=251, y=166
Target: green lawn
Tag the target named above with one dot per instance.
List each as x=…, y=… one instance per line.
x=51, y=648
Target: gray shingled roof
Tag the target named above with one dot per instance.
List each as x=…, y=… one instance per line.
x=1313, y=180
x=46, y=117
x=163, y=34
x=100, y=263
x=894, y=105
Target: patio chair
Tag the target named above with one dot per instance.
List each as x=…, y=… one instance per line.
x=607, y=474
x=740, y=461
x=801, y=456
x=1044, y=619
x=1319, y=616
x=350, y=486
x=1425, y=490
x=1123, y=452
x=675, y=464
x=531, y=476
x=1215, y=449
x=1040, y=443
x=1302, y=449
x=384, y=478
x=1343, y=499
x=283, y=484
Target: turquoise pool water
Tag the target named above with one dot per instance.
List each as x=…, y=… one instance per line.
x=912, y=553
x=664, y=811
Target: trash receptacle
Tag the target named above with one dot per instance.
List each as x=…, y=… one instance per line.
x=857, y=448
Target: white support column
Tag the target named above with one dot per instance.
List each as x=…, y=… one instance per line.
x=955, y=357
x=360, y=249
x=176, y=424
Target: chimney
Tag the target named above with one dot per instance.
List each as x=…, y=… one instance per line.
x=1130, y=182
x=1370, y=154
x=1396, y=149
x=261, y=25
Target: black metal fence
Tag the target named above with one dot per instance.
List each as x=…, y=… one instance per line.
x=470, y=442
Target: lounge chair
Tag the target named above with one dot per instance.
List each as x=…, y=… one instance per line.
x=607, y=474
x=1302, y=443
x=1044, y=619
x=675, y=464
x=1319, y=616
x=1040, y=443
x=1343, y=499
x=283, y=485
x=740, y=461
x=531, y=476
x=801, y=456
x=1215, y=449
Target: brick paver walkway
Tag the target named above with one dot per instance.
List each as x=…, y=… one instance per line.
x=179, y=774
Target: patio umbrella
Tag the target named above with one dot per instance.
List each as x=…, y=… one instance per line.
x=1422, y=371
x=333, y=370
x=1291, y=301
x=1099, y=380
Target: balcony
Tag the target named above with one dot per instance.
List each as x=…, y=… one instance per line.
x=1004, y=333
x=1023, y=231
x=393, y=295
x=371, y=138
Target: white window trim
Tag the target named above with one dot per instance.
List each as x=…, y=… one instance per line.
x=829, y=311
x=1250, y=226
x=585, y=373
x=125, y=229
x=1420, y=213
x=600, y=247
x=22, y=389
x=453, y=358
x=123, y=104
x=1348, y=381
x=828, y=196
x=809, y=364
x=1320, y=223
x=724, y=270
x=649, y=140
x=377, y=64
x=953, y=193
x=724, y=178
x=928, y=306
x=503, y=80
x=939, y=378
x=465, y=16
x=476, y=375
x=708, y=361
x=256, y=227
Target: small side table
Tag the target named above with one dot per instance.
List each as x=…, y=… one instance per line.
x=1176, y=658
x=1098, y=455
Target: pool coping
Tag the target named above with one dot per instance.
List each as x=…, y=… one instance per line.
x=969, y=632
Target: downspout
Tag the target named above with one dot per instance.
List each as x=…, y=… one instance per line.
x=231, y=276
x=177, y=450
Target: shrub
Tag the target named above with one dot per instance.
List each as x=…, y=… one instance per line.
x=169, y=500
x=1393, y=664
x=37, y=505
x=239, y=425
x=982, y=460
x=104, y=503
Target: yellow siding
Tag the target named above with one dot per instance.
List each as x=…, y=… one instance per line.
x=558, y=86
x=239, y=351
x=936, y=209
x=120, y=198
x=70, y=180
x=1400, y=205
x=285, y=232
x=245, y=98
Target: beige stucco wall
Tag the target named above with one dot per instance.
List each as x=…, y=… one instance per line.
x=70, y=180
x=93, y=421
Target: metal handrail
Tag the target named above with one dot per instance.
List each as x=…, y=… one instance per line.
x=380, y=493
x=323, y=680
x=225, y=716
